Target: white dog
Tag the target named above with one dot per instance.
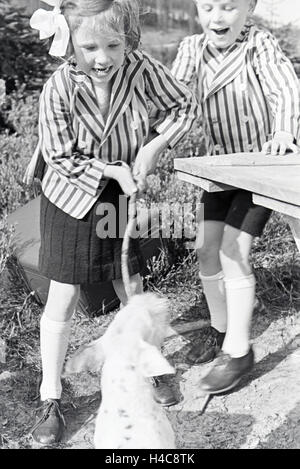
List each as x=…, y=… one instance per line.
x=130, y=353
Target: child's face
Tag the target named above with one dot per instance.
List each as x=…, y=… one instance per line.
x=99, y=52
x=223, y=20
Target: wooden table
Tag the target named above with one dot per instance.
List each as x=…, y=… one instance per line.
x=273, y=180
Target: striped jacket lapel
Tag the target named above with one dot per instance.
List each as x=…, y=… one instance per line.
x=231, y=66
x=84, y=104
x=123, y=88
x=88, y=112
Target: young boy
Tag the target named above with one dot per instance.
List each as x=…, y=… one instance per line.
x=250, y=100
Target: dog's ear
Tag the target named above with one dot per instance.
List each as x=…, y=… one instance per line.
x=152, y=362
x=89, y=357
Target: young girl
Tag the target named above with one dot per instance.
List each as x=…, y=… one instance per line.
x=250, y=101
x=93, y=124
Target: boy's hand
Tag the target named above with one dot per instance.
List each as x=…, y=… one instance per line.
x=280, y=144
x=123, y=175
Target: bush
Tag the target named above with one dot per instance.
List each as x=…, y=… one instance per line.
x=15, y=153
x=164, y=53
x=23, y=58
x=287, y=36
x=22, y=112
x=21, y=115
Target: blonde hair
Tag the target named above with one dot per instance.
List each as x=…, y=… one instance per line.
x=120, y=15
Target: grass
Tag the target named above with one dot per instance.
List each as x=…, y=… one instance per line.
x=175, y=273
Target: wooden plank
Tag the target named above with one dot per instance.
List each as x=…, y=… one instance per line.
x=295, y=228
x=251, y=159
x=277, y=205
x=205, y=184
x=278, y=183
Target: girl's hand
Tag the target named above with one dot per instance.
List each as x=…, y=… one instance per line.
x=145, y=164
x=29, y=173
x=280, y=144
x=146, y=161
x=123, y=175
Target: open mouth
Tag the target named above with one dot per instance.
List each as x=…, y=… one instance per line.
x=220, y=32
x=102, y=71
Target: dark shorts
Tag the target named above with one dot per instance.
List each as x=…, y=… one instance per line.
x=73, y=252
x=236, y=208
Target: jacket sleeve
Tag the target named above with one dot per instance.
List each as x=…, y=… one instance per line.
x=279, y=82
x=58, y=143
x=184, y=65
x=174, y=101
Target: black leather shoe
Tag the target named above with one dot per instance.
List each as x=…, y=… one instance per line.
x=227, y=373
x=207, y=349
x=49, y=424
x=163, y=394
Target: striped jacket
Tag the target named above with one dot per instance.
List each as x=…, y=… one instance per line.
x=246, y=94
x=71, y=125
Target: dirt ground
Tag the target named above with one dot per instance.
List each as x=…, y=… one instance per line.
x=263, y=412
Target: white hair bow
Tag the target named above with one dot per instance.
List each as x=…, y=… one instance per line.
x=52, y=23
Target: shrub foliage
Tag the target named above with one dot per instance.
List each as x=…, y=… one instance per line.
x=23, y=58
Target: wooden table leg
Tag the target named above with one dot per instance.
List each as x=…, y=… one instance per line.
x=295, y=227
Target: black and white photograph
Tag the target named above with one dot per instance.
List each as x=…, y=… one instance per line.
x=150, y=227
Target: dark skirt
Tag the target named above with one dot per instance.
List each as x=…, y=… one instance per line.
x=74, y=251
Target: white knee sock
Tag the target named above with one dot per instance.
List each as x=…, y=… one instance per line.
x=214, y=290
x=240, y=296
x=54, y=343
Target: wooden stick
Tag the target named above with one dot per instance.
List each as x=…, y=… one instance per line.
x=125, y=245
x=176, y=329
